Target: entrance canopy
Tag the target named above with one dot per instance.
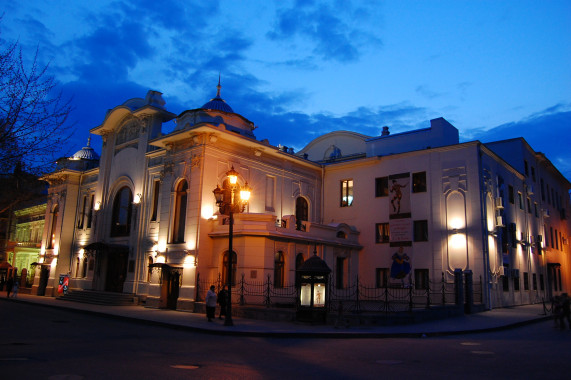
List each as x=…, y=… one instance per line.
x=101, y=246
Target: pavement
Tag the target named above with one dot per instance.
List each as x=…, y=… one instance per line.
x=492, y=320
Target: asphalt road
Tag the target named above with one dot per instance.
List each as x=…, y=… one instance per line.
x=47, y=343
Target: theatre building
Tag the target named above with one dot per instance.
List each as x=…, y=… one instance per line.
x=392, y=210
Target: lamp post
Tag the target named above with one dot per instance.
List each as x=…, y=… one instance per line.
x=228, y=203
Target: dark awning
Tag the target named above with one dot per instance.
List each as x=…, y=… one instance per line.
x=165, y=265
x=101, y=246
x=35, y=264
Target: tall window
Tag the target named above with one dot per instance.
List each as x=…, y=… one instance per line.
x=301, y=212
x=270, y=191
x=155, y=209
x=299, y=260
x=420, y=228
x=419, y=182
x=121, y=217
x=381, y=277
x=279, y=267
x=511, y=194
x=382, y=233
x=520, y=201
x=90, y=213
x=346, y=193
x=225, y=267
x=179, y=212
x=82, y=216
x=340, y=272
x=382, y=187
x=52, y=235
x=421, y=278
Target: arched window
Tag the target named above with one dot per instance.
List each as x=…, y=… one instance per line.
x=301, y=212
x=150, y=268
x=52, y=234
x=225, y=268
x=279, y=266
x=84, y=268
x=121, y=217
x=77, y=267
x=299, y=260
x=179, y=212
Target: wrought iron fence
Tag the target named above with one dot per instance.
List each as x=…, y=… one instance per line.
x=357, y=298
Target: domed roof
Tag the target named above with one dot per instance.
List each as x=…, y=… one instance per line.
x=86, y=153
x=217, y=103
x=316, y=265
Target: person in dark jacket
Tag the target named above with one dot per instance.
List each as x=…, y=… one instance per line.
x=223, y=301
x=9, y=285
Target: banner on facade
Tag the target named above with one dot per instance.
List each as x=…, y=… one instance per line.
x=63, y=284
x=400, y=224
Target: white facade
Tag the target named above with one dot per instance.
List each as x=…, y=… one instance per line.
x=145, y=220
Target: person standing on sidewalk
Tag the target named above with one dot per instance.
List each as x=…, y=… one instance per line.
x=222, y=300
x=9, y=285
x=15, y=289
x=565, y=310
x=211, y=303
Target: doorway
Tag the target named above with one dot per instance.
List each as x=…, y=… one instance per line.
x=117, y=258
x=170, y=287
x=44, y=276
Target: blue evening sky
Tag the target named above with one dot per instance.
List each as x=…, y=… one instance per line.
x=299, y=69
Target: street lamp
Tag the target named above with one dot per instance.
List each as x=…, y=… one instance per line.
x=228, y=204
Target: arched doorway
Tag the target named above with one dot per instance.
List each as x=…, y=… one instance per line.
x=225, y=268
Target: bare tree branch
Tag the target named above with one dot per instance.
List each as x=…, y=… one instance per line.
x=33, y=115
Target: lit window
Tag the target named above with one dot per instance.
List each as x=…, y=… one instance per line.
x=382, y=233
x=346, y=193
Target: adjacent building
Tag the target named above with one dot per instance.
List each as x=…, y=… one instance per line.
x=394, y=210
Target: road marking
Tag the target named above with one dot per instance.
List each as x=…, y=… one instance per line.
x=389, y=362
x=184, y=366
x=470, y=344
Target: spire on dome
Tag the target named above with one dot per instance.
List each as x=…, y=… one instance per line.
x=217, y=103
x=86, y=153
x=219, y=87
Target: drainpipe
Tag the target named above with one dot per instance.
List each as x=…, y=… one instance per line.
x=484, y=221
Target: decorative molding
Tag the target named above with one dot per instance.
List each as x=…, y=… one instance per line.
x=195, y=161
x=145, y=121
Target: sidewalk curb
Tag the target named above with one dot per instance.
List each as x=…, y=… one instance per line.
x=286, y=335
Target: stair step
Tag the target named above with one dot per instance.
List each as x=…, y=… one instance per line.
x=99, y=298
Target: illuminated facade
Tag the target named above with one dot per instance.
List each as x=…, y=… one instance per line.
x=394, y=210
x=23, y=247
